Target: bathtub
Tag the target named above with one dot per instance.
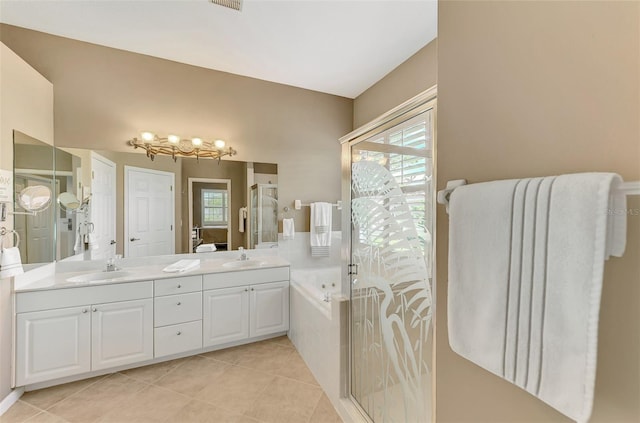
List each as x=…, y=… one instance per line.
x=318, y=285
x=316, y=325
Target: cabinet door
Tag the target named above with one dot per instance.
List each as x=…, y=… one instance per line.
x=269, y=308
x=52, y=344
x=226, y=315
x=122, y=333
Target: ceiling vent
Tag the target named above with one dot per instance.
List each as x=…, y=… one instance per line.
x=231, y=4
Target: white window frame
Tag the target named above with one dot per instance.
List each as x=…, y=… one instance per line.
x=224, y=207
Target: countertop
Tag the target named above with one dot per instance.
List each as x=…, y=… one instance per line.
x=59, y=280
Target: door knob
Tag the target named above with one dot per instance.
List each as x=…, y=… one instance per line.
x=113, y=241
x=134, y=239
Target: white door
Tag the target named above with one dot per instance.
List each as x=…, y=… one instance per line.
x=226, y=315
x=269, y=307
x=121, y=333
x=52, y=344
x=149, y=205
x=102, y=207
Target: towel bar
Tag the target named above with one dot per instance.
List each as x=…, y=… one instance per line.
x=629, y=188
x=298, y=205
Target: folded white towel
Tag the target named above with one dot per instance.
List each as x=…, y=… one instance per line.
x=182, y=266
x=288, y=229
x=526, y=260
x=320, y=231
x=206, y=248
x=10, y=262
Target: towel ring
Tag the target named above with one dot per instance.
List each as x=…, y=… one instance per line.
x=4, y=231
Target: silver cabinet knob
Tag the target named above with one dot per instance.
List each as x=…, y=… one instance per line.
x=179, y=286
x=246, y=289
x=84, y=310
x=178, y=303
x=94, y=309
x=179, y=333
x=252, y=289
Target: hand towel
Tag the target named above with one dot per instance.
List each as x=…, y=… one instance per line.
x=242, y=215
x=320, y=238
x=288, y=229
x=78, y=247
x=182, y=266
x=10, y=262
x=92, y=240
x=526, y=260
x=206, y=248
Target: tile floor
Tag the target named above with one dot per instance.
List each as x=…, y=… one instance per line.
x=263, y=382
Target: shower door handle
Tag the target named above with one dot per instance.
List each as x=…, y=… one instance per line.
x=353, y=269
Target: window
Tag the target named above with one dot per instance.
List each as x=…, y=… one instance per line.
x=215, y=210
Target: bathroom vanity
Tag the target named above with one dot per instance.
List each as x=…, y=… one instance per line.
x=70, y=330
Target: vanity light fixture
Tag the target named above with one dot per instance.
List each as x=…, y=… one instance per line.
x=175, y=146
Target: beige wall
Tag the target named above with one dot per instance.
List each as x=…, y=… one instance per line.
x=532, y=89
x=415, y=75
x=26, y=104
x=105, y=96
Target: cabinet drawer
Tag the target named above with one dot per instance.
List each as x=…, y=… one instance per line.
x=178, y=285
x=174, y=309
x=178, y=338
x=82, y=296
x=245, y=277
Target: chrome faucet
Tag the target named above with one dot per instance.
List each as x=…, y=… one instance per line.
x=111, y=264
x=243, y=255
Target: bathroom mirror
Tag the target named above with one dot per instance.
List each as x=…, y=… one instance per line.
x=41, y=173
x=115, y=184
x=34, y=185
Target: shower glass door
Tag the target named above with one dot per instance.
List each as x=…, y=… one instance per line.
x=392, y=218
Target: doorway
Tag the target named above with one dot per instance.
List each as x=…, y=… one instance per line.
x=391, y=248
x=210, y=213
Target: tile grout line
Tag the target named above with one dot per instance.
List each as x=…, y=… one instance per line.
x=68, y=396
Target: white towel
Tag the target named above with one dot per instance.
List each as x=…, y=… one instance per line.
x=288, y=229
x=182, y=266
x=242, y=215
x=526, y=260
x=78, y=247
x=320, y=238
x=10, y=262
x=206, y=248
x=92, y=240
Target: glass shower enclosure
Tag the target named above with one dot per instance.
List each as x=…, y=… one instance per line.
x=390, y=252
x=263, y=216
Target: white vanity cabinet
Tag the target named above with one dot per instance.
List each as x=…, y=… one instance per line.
x=245, y=304
x=269, y=305
x=178, y=315
x=52, y=344
x=87, y=330
x=82, y=329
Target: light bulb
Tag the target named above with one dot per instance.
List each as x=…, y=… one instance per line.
x=219, y=143
x=173, y=139
x=196, y=141
x=147, y=136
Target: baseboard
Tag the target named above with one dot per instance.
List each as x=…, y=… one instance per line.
x=10, y=399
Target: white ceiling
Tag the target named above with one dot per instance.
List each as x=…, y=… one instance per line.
x=333, y=46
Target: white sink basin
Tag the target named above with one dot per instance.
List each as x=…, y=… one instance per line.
x=100, y=276
x=239, y=264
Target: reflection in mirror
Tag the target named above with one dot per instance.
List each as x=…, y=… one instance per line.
x=34, y=167
x=35, y=198
x=264, y=216
x=115, y=201
x=68, y=201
